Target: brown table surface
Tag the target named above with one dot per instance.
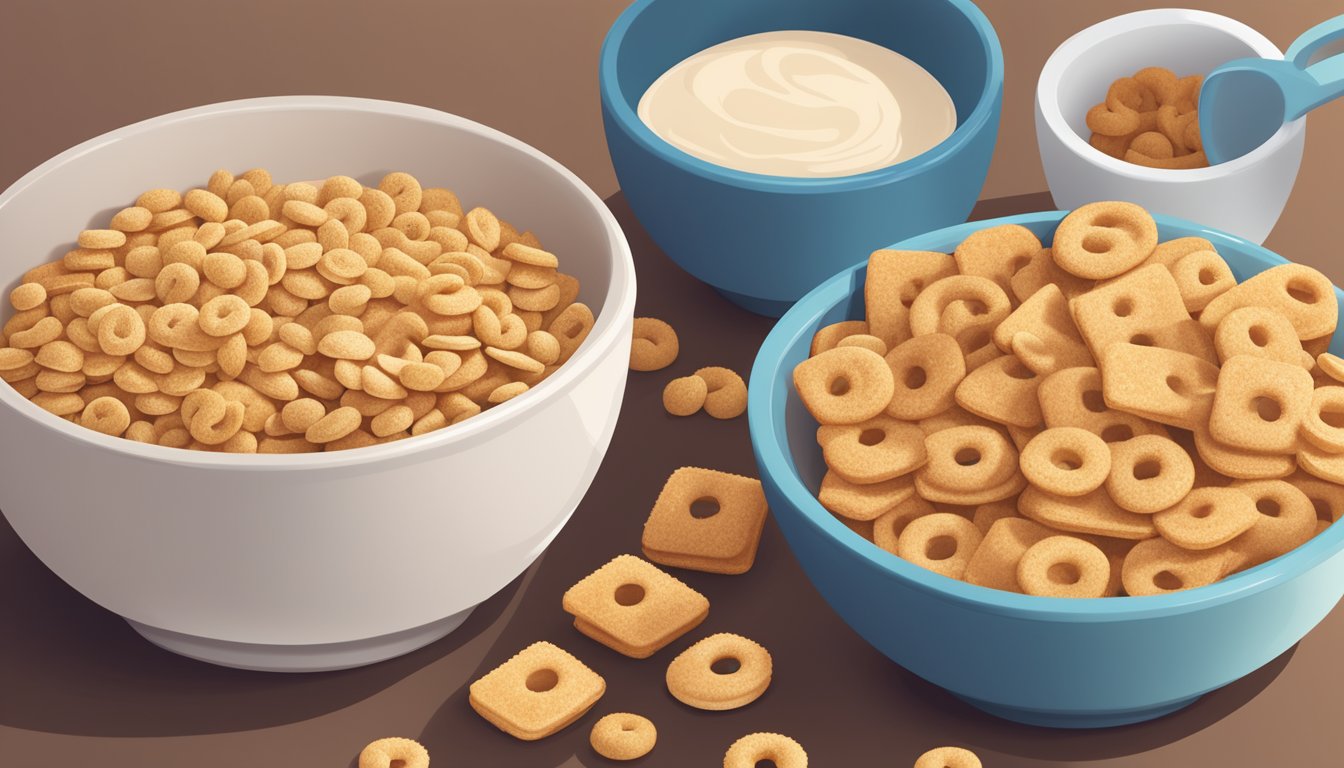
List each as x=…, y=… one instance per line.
x=79, y=687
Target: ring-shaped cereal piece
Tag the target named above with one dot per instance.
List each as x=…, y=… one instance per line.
x=1287, y=520
x=1202, y=276
x=654, y=346
x=1257, y=331
x=1102, y=240
x=1066, y=461
x=845, y=385
x=964, y=458
x=925, y=373
x=693, y=680
x=1149, y=473
x=830, y=336
x=224, y=315
x=867, y=341
x=942, y=542
x=623, y=736
x=685, y=396
x=755, y=748
x=107, y=415
x=1063, y=566
x=872, y=451
x=1157, y=566
x=1207, y=517
x=889, y=526
x=726, y=396
x=930, y=310
x=1320, y=425
x=383, y=753
x=948, y=757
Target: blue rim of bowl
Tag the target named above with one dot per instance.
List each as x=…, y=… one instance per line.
x=613, y=99
x=763, y=407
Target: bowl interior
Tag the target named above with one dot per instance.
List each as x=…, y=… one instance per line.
x=940, y=35
x=785, y=432
x=1185, y=46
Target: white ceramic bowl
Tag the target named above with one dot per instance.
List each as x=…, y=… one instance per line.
x=1244, y=196
x=326, y=560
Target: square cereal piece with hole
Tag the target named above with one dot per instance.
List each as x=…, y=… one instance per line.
x=706, y=521
x=536, y=693
x=1145, y=308
x=1259, y=404
x=632, y=607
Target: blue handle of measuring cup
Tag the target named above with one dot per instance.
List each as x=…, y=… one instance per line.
x=1325, y=81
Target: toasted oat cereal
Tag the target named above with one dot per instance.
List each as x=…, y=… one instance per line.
x=633, y=607
x=385, y=753
x=654, y=346
x=623, y=736
x=726, y=393
x=948, y=757
x=706, y=521
x=685, y=396
x=755, y=748
x=704, y=675
x=538, y=692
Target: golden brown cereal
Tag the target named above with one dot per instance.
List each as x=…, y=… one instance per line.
x=1066, y=461
x=994, y=563
x=633, y=607
x=726, y=392
x=654, y=346
x=886, y=530
x=1063, y=566
x=872, y=451
x=942, y=542
x=948, y=757
x=385, y=753
x=1094, y=513
x=969, y=465
x=685, y=396
x=845, y=385
x=1286, y=520
x=1157, y=566
x=538, y=692
x=926, y=371
x=863, y=502
x=753, y=749
x=997, y=252
x=1101, y=240
x=1149, y=473
x=1259, y=404
x=108, y=415
x=694, y=677
x=1164, y=385
x=1045, y=320
x=707, y=521
x=1207, y=517
x=1298, y=292
x=623, y=736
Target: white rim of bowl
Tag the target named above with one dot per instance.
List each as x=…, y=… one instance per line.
x=618, y=302
x=1047, y=88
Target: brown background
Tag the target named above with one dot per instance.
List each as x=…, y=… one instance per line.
x=78, y=687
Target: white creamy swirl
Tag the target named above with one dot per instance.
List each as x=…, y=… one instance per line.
x=799, y=103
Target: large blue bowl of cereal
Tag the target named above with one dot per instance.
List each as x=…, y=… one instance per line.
x=1176, y=621
x=765, y=144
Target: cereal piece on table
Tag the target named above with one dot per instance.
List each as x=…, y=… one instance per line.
x=879, y=449
x=863, y=502
x=654, y=346
x=894, y=279
x=925, y=373
x=694, y=679
x=623, y=736
x=828, y=337
x=755, y=748
x=1149, y=473
x=1157, y=566
x=536, y=693
x=685, y=396
x=1144, y=307
x=633, y=607
x=1164, y=385
x=1258, y=332
x=721, y=537
x=887, y=528
x=726, y=392
x=1063, y=566
x=1045, y=317
x=1259, y=404
x=942, y=542
x=1094, y=513
x=997, y=252
x=1042, y=271
x=1003, y=391
x=1242, y=464
x=948, y=757
x=845, y=385
x=994, y=563
x=1302, y=294
x=1207, y=517
x=385, y=753
x=969, y=466
x=1286, y=520
x=1201, y=277
x=1101, y=240
x=1066, y=461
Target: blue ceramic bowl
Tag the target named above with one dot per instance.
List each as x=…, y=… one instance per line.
x=764, y=241
x=1045, y=661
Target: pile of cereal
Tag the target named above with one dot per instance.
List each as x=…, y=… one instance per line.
x=1150, y=119
x=252, y=316
x=1109, y=415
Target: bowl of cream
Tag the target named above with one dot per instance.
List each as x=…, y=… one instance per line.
x=767, y=144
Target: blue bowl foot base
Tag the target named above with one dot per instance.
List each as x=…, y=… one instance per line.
x=766, y=307
x=1066, y=719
